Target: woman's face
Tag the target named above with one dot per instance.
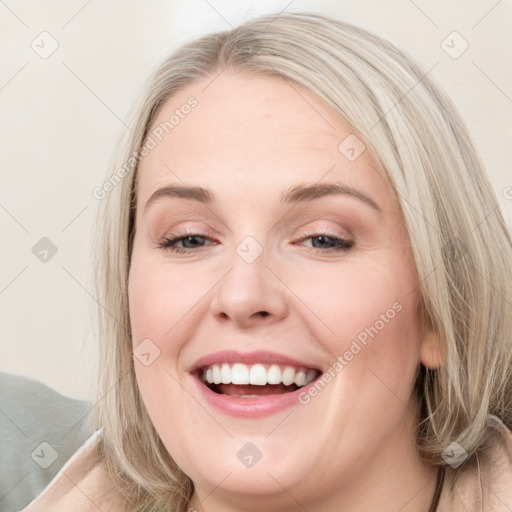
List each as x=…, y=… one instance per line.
x=272, y=282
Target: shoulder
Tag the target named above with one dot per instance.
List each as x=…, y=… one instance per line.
x=484, y=485
x=36, y=420
x=82, y=485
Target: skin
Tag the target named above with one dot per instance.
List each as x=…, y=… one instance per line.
x=352, y=447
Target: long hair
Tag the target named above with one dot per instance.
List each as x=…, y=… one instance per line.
x=460, y=243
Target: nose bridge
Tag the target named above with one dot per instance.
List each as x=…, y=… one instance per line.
x=249, y=291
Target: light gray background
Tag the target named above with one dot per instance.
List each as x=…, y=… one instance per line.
x=60, y=118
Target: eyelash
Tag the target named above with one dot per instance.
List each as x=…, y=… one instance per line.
x=342, y=245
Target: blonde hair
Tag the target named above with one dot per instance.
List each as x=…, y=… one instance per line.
x=460, y=243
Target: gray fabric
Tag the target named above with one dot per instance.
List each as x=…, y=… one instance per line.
x=32, y=413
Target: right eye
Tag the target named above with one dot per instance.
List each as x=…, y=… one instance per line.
x=193, y=240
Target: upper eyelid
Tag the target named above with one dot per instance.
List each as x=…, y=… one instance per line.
x=207, y=232
x=302, y=218
x=299, y=213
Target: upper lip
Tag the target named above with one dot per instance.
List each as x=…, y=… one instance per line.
x=263, y=357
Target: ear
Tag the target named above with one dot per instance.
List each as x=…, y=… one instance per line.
x=431, y=351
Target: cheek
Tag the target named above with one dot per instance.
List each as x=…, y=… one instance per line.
x=162, y=298
x=367, y=311
x=148, y=306
x=158, y=309
x=155, y=306
x=371, y=314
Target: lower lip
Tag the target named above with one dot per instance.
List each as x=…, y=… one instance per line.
x=255, y=407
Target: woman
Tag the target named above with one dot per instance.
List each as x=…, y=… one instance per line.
x=304, y=289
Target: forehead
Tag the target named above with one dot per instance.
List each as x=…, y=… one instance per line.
x=252, y=132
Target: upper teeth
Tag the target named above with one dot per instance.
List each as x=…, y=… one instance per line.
x=257, y=374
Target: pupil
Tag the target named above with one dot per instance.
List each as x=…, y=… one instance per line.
x=322, y=237
x=193, y=237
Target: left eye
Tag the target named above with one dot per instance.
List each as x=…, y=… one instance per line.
x=337, y=244
x=194, y=241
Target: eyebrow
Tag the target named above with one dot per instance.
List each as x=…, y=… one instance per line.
x=299, y=193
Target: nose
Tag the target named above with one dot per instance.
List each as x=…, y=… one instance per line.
x=250, y=294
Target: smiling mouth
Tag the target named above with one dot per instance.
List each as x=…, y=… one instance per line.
x=256, y=380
